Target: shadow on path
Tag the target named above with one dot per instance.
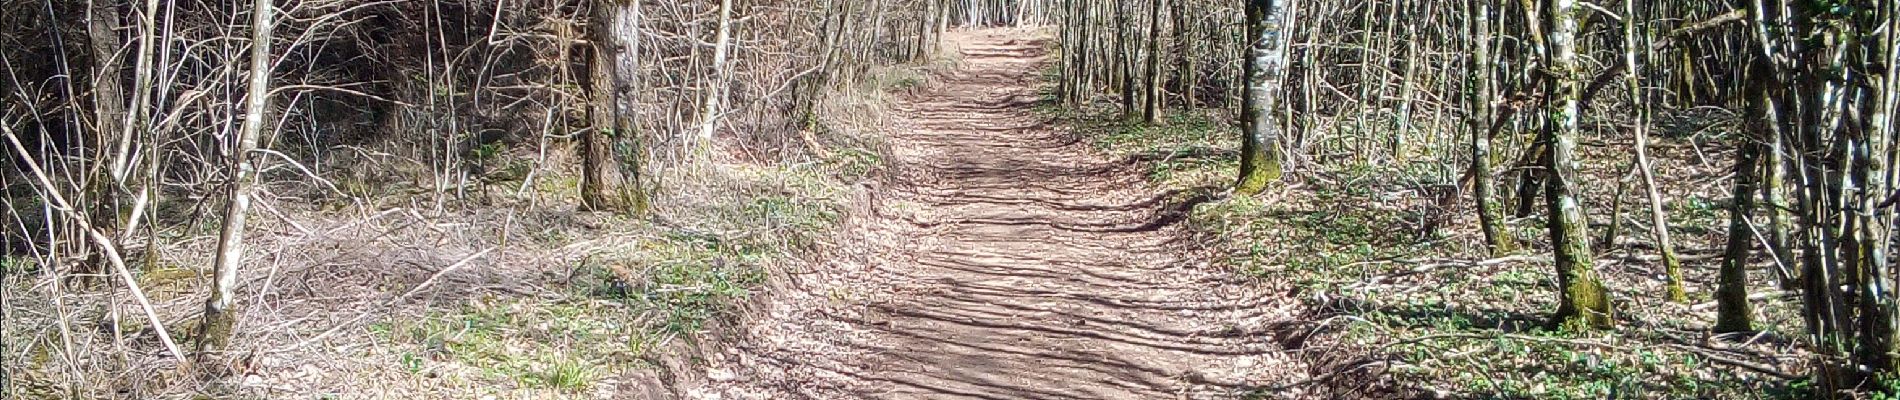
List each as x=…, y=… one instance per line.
x=1006, y=260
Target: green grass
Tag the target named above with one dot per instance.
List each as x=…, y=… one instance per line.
x=11, y=265
x=853, y=164
x=563, y=346
x=655, y=285
x=694, y=284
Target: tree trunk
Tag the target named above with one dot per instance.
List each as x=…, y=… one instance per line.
x=1583, y=301
x=1151, y=97
x=716, y=81
x=1774, y=198
x=1497, y=238
x=1530, y=182
x=1261, y=154
x=1658, y=220
x=606, y=183
x=215, y=330
x=1733, y=313
x=108, y=93
x=1869, y=224
x=1125, y=56
x=103, y=183
x=1615, y=228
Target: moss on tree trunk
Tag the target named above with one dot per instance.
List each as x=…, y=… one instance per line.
x=1261, y=158
x=1583, y=301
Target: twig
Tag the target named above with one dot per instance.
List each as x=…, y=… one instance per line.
x=392, y=302
x=306, y=171
x=106, y=246
x=339, y=89
x=1752, y=297
x=1712, y=356
x=273, y=211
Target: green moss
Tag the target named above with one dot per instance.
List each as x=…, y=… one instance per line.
x=1258, y=170
x=214, y=330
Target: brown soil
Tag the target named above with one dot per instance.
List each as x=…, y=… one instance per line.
x=1001, y=258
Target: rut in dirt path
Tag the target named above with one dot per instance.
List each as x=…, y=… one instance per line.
x=1012, y=262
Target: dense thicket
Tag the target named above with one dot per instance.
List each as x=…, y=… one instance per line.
x=127, y=122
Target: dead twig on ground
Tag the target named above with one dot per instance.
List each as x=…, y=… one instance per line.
x=392, y=302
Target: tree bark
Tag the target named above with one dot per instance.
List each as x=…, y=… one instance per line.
x=1125, y=56
x=1490, y=220
x=1497, y=238
x=1775, y=200
x=608, y=184
x=1870, y=149
x=1583, y=301
x=1261, y=154
x=1733, y=313
x=104, y=179
x=219, y=317
x=716, y=81
x=1151, y=97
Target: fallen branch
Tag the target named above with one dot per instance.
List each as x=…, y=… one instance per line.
x=1751, y=297
x=105, y=244
x=1712, y=356
x=1429, y=265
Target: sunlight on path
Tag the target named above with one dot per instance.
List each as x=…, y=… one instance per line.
x=1004, y=260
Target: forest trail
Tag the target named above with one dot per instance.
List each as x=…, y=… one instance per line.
x=1004, y=259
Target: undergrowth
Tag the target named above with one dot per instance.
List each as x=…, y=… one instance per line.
x=566, y=303
x=1405, y=288
x=669, y=280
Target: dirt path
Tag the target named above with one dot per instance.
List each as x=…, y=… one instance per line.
x=1004, y=260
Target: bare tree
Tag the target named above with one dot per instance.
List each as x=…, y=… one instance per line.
x=1658, y=220
x=1490, y=218
x=220, y=309
x=714, y=92
x=1151, y=87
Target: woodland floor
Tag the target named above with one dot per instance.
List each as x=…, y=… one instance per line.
x=998, y=248
x=1001, y=257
